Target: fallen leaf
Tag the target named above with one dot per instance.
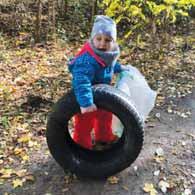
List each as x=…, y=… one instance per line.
x=18, y=151
x=24, y=138
x=17, y=183
x=21, y=173
x=29, y=178
x=125, y=188
x=19, y=81
x=193, y=174
x=163, y=186
x=156, y=173
x=183, y=143
x=191, y=135
x=6, y=173
x=65, y=189
x=25, y=157
x=46, y=173
x=135, y=168
x=187, y=192
x=68, y=179
x=159, y=159
x=148, y=187
x=33, y=144
x=159, y=152
x=178, y=130
x=113, y=180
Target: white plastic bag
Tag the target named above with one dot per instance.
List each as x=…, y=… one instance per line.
x=133, y=83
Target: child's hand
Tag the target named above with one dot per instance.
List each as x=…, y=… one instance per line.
x=91, y=108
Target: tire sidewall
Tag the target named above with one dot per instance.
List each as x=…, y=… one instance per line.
x=90, y=163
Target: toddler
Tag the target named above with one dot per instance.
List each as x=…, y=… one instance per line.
x=94, y=64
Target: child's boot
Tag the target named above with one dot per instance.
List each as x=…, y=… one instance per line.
x=103, y=127
x=83, y=124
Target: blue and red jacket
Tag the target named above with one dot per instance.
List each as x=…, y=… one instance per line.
x=88, y=69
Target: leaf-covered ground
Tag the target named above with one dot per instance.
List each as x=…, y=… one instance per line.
x=32, y=79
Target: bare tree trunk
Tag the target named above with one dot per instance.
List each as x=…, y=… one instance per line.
x=15, y=18
x=94, y=10
x=60, y=8
x=38, y=22
x=65, y=8
x=52, y=18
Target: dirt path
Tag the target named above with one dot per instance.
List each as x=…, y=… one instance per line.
x=175, y=166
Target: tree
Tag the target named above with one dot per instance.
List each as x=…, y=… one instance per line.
x=62, y=7
x=38, y=22
x=52, y=18
x=94, y=10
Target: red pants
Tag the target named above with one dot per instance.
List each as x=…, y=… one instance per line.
x=100, y=121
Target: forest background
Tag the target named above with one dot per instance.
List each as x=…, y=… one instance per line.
x=37, y=37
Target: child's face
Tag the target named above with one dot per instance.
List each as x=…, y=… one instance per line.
x=103, y=42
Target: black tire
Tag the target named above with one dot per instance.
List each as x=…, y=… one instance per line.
x=89, y=163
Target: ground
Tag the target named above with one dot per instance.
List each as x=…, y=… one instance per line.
x=32, y=79
x=177, y=165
